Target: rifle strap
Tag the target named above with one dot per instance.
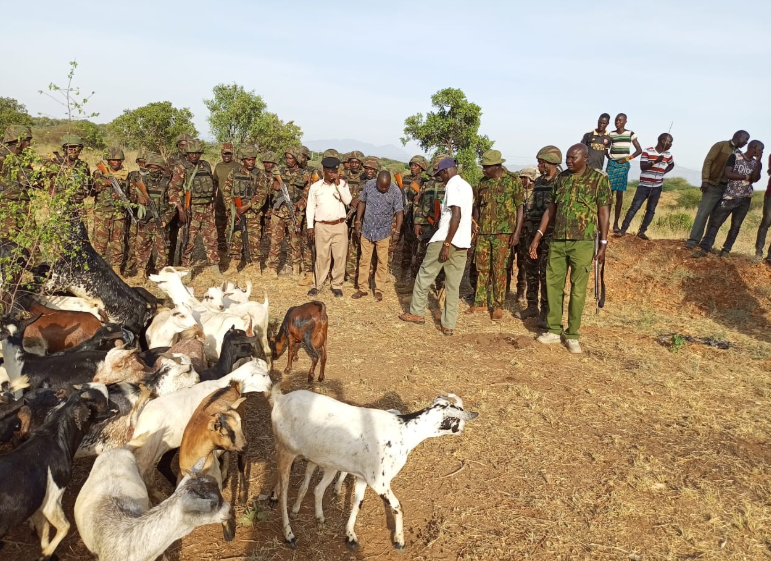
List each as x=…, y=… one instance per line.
x=189, y=183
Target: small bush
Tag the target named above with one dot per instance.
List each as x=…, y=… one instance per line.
x=676, y=184
x=689, y=198
x=675, y=221
x=757, y=201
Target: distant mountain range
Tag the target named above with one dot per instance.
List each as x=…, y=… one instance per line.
x=349, y=145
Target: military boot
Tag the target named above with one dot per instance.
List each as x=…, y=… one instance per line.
x=542, y=317
x=530, y=312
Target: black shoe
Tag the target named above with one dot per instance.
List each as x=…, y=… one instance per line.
x=620, y=233
x=336, y=292
x=616, y=230
x=313, y=292
x=542, y=317
x=529, y=312
x=642, y=236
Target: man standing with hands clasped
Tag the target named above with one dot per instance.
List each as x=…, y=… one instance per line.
x=581, y=196
x=447, y=249
x=325, y=214
x=379, y=201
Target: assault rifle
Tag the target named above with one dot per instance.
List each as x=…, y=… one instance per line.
x=599, y=278
x=285, y=199
x=150, y=203
x=117, y=190
x=244, y=232
x=181, y=244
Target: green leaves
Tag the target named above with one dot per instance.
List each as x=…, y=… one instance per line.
x=154, y=126
x=13, y=113
x=452, y=127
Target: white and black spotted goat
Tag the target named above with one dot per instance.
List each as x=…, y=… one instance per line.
x=370, y=444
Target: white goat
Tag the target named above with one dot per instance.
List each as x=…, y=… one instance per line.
x=167, y=324
x=234, y=294
x=113, y=513
x=371, y=444
x=166, y=417
x=93, y=306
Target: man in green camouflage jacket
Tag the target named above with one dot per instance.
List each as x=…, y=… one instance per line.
x=412, y=183
x=426, y=210
x=110, y=212
x=498, y=204
x=581, y=199
x=371, y=167
x=15, y=180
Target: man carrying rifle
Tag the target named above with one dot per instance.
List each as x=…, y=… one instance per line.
x=412, y=182
x=245, y=193
x=151, y=190
x=111, y=210
x=580, y=199
x=306, y=246
x=72, y=175
x=371, y=166
x=288, y=206
x=193, y=192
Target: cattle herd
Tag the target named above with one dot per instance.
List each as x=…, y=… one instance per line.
x=100, y=369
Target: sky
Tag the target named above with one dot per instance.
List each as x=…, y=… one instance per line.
x=542, y=72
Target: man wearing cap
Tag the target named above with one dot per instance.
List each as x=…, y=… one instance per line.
x=325, y=218
x=527, y=177
x=220, y=174
x=498, y=214
x=192, y=180
x=149, y=236
x=110, y=212
x=371, y=166
x=380, y=202
x=413, y=183
x=581, y=199
x=245, y=192
x=549, y=159
x=281, y=225
x=181, y=155
x=447, y=249
x=15, y=179
x=73, y=173
x=269, y=163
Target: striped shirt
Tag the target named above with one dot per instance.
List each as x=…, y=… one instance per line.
x=654, y=177
x=621, y=145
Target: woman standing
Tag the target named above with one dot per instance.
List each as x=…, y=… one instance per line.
x=622, y=141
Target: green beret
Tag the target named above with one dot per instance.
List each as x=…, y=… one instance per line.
x=550, y=154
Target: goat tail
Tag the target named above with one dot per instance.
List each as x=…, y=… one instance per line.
x=18, y=384
x=145, y=395
x=265, y=304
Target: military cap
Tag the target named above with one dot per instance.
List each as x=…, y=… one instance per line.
x=227, y=147
x=550, y=154
x=269, y=156
x=295, y=151
x=371, y=162
x=184, y=137
x=14, y=133
x=114, y=153
x=247, y=151
x=331, y=153
x=142, y=154
x=356, y=155
x=421, y=161
x=155, y=160
x=530, y=173
x=72, y=140
x=306, y=152
x=194, y=146
x=492, y=158
x=346, y=157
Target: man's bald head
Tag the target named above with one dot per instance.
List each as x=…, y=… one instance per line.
x=576, y=158
x=384, y=181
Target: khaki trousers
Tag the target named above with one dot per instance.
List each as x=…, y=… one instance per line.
x=429, y=269
x=367, y=247
x=331, y=244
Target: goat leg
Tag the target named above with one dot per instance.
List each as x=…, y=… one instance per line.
x=285, y=460
x=396, y=508
x=323, y=361
x=241, y=484
x=53, y=512
x=329, y=475
x=358, y=499
x=290, y=356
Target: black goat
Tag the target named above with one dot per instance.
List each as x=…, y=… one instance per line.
x=20, y=418
x=104, y=339
x=235, y=346
x=33, y=476
x=84, y=273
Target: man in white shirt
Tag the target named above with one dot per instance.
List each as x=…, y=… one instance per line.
x=326, y=225
x=447, y=249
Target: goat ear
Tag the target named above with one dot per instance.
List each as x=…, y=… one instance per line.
x=469, y=415
x=250, y=329
x=214, y=424
x=81, y=414
x=237, y=402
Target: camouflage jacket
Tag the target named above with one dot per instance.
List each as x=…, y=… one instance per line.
x=426, y=212
x=577, y=198
x=157, y=185
x=251, y=186
x=410, y=192
x=76, y=177
x=537, y=200
x=297, y=181
x=202, y=185
x=15, y=178
x=496, y=202
x=105, y=199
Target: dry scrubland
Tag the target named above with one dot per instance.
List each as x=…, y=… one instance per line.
x=635, y=450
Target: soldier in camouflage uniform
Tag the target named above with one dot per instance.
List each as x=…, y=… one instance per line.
x=497, y=211
x=516, y=264
x=281, y=223
x=149, y=235
x=245, y=193
x=426, y=212
x=371, y=167
x=220, y=174
x=181, y=155
x=581, y=199
x=73, y=176
x=353, y=174
x=270, y=163
x=306, y=253
x=412, y=183
x=549, y=159
x=195, y=175
x=15, y=180
x=110, y=212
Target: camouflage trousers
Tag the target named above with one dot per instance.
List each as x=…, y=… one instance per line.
x=516, y=265
x=109, y=237
x=491, y=257
x=280, y=228
x=147, y=237
x=236, y=249
x=306, y=253
x=409, y=249
x=201, y=219
x=535, y=270
x=221, y=220
x=352, y=262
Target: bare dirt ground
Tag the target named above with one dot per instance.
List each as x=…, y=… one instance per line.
x=634, y=450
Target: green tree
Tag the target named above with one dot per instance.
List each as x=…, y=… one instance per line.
x=452, y=127
x=13, y=113
x=237, y=115
x=154, y=126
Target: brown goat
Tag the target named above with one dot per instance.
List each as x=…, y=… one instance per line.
x=215, y=425
x=60, y=329
x=190, y=342
x=303, y=326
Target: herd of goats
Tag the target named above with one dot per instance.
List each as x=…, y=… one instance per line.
x=100, y=369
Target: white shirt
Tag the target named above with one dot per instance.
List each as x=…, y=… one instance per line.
x=326, y=202
x=457, y=193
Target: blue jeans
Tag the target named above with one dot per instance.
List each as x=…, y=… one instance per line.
x=735, y=208
x=650, y=193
